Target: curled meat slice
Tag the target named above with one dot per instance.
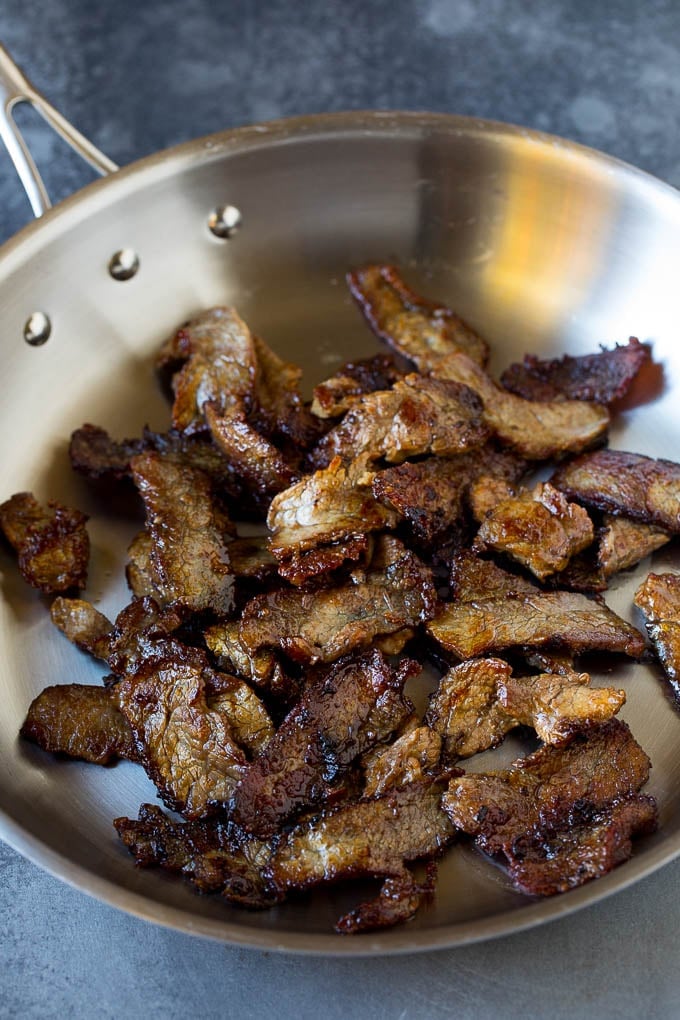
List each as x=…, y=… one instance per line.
x=260, y=667
x=603, y=377
x=659, y=599
x=558, y=706
x=625, y=484
x=399, y=898
x=336, y=395
x=189, y=531
x=465, y=709
x=263, y=467
x=339, y=716
x=396, y=591
x=52, y=543
x=473, y=578
x=421, y=330
x=80, y=721
x=538, y=528
x=621, y=543
x=536, y=430
x=412, y=758
x=83, y=625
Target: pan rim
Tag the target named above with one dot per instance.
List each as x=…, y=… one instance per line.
x=169, y=162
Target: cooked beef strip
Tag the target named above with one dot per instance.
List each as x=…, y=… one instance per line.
x=263, y=467
x=278, y=411
x=213, y=854
x=421, y=330
x=80, y=721
x=336, y=395
x=465, y=710
x=418, y=415
x=659, y=599
x=261, y=667
x=138, y=628
x=138, y=570
x=83, y=625
x=545, y=865
x=621, y=544
x=539, y=528
x=95, y=454
x=396, y=591
x=51, y=542
x=322, y=521
x=250, y=558
x=369, y=838
x=399, y=898
x=188, y=749
x=603, y=377
x=550, y=790
x=557, y=663
x=557, y=619
x=485, y=494
x=535, y=430
x=558, y=706
x=340, y=715
x=245, y=714
x=625, y=484
x=473, y=578
x=412, y=758
x=189, y=558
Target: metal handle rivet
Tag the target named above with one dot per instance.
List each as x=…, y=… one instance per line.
x=124, y=264
x=37, y=329
x=225, y=221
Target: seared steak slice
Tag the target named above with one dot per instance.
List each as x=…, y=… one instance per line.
x=260, y=667
x=339, y=717
x=538, y=528
x=336, y=395
x=659, y=599
x=138, y=570
x=246, y=716
x=80, y=721
x=558, y=706
x=52, y=543
x=465, y=710
x=412, y=758
x=398, y=901
x=421, y=330
x=258, y=462
x=396, y=591
x=250, y=558
x=535, y=430
x=83, y=625
x=189, y=557
x=603, y=377
x=621, y=544
x=277, y=409
x=473, y=579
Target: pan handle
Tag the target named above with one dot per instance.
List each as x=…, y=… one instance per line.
x=16, y=88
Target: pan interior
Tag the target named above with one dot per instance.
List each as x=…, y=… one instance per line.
x=541, y=245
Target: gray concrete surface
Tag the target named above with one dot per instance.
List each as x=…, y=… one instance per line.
x=138, y=76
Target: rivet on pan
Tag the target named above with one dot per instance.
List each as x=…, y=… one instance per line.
x=37, y=329
x=124, y=264
x=225, y=221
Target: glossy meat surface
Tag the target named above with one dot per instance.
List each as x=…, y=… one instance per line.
x=51, y=542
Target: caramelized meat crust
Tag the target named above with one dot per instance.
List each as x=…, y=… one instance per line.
x=535, y=430
x=558, y=706
x=336, y=395
x=557, y=619
x=412, y=758
x=257, y=461
x=603, y=377
x=473, y=579
x=465, y=709
x=189, y=556
x=659, y=599
x=621, y=543
x=626, y=484
x=538, y=528
x=83, y=625
x=79, y=721
x=396, y=591
x=52, y=543
x=415, y=327
x=399, y=898
x=339, y=717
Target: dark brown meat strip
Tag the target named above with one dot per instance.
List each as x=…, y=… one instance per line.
x=421, y=330
x=263, y=467
x=548, y=619
x=558, y=706
x=535, y=430
x=82, y=624
x=625, y=484
x=81, y=722
x=465, y=710
x=412, y=758
x=397, y=591
x=339, y=717
x=659, y=599
x=189, y=557
x=52, y=543
x=398, y=901
x=603, y=377
x=621, y=544
x=550, y=790
x=473, y=579
x=336, y=395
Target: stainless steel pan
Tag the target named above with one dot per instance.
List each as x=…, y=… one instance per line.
x=543, y=245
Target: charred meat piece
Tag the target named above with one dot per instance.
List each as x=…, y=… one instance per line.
x=465, y=710
x=188, y=749
x=545, y=865
x=421, y=330
x=52, y=543
x=431, y=494
x=625, y=484
x=549, y=790
x=83, y=625
x=485, y=494
x=138, y=629
x=189, y=557
x=473, y=579
x=261, y=667
x=339, y=717
x=79, y=721
x=277, y=409
x=95, y=454
x=558, y=706
x=243, y=711
x=559, y=619
x=322, y=521
x=538, y=528
x=250, y=558
x=336, y=395
x=263, y=467
x=535, y=430
x=412, y=758
x=138, y=570
x=418, y=415
x=370, y=838
x=211, y=853
x=395, y=592
x=659, y=599
x=603, y=377
x=621, y=544
x=399, y=898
